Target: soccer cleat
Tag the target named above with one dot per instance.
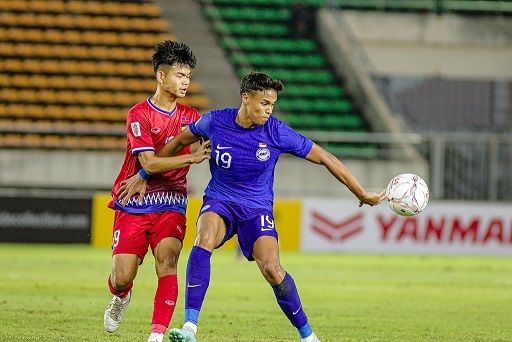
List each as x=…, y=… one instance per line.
x=181, y=335
x=156, y=337
x=115, y=312
x=311, y=338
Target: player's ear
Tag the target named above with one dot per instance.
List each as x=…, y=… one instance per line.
x=160, y=76
x=245, y=98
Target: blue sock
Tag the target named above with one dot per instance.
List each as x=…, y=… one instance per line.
x=305, y=331
x=289, y=301
x=198, y=280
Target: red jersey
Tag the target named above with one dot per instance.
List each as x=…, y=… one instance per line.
x=148, y=129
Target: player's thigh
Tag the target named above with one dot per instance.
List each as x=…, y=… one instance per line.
x=167, y=224
x=256, y=223
x=166, y=238
x=266, y=249
x=167, y=253
x=129, y=234
x=211, y=230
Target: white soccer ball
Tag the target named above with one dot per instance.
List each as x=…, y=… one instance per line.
x=407, y=194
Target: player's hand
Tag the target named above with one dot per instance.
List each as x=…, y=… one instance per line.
x=372, y=198
x=131, y=186
x=203, y=152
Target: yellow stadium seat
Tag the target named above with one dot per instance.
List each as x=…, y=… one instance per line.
x=71, y=69
x=14, y=5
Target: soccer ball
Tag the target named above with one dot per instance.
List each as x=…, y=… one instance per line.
x=407, y=194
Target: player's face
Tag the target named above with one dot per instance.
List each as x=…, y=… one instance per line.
x=260, y=105
x=174, y=80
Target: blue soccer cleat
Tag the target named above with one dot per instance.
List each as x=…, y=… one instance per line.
x=181, y=335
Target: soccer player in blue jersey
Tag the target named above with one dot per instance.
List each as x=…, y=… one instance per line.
x=246, y=145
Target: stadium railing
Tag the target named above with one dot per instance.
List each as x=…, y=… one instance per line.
x=462, y=165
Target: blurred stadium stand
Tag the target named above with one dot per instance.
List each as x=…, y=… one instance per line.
x=71, y=69
x=278, y=38
x=437, y=6
x=447, y=76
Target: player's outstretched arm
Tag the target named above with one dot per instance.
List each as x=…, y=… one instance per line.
x=318, y=155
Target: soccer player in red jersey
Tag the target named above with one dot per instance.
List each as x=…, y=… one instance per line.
x=156, y=220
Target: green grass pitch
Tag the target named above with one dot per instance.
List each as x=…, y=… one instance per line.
x=59, y=293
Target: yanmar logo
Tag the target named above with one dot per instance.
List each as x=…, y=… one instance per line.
x=447, y=229
x=336, y=230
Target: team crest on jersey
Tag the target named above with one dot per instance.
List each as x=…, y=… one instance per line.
x=263, y=154
x=155, y=130
x=136, y=129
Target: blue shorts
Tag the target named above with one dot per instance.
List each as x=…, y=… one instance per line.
x=248, y=223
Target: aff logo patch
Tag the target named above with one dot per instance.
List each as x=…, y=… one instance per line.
x=263, y=154
x=136, y=129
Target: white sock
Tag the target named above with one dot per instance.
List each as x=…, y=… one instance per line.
x=190, y=326
x=156, y=337
x=310, y=338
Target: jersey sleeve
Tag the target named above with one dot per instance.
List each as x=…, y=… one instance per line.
x=202, y=126
x=195, y=115
x=138, y=129
x=292, y=142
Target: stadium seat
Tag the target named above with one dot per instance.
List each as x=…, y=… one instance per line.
x=279, y=60
x=257, y=35
x=248, y=13
x=269, y=44
x=256, y=29
x=71, y=69
x=97, y=83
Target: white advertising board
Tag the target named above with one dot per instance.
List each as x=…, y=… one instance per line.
x=443, y=227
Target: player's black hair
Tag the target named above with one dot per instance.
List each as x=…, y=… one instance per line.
x=170, y=53
x=258, y=81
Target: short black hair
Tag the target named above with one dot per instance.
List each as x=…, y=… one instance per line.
x=170, y=52
x=258, y=81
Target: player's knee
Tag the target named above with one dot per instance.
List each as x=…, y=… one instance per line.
x=121, y=280
x=273, y=272
x=206, y=241
x=207, y=235
x=166, y=264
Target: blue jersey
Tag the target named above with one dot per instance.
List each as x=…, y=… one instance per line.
x=243, y=159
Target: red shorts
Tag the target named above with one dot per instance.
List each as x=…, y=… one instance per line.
x=134, y=233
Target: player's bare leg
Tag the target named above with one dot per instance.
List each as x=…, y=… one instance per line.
x=166, y=260
x=120, y=282
x=211, y=230
x=266, y=255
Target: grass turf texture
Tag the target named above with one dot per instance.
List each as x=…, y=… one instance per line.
x=59, y=293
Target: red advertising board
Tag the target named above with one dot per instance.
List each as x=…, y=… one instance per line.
x=443, y=227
